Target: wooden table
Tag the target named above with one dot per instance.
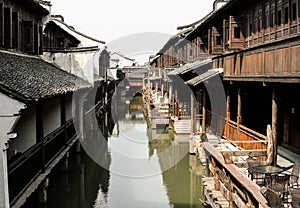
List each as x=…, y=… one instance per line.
x=267, y=169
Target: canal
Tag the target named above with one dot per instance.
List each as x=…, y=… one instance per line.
x=148, y=168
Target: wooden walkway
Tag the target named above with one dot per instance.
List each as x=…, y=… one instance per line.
x=213, y=197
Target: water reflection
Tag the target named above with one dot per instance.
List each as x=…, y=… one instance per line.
x=143, y=170
x=78, y=187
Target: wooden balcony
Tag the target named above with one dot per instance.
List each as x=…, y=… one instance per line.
x=247, y=141
x=235, y=187
x=272, y=62
x=25, y=169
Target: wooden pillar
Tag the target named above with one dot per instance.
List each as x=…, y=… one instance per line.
x=176, y=104
x=192, y=113
x=274, y=122
x=204, y=112
x=231, y=189
x=80, y=116
x=216, y=175
x=239, y=112
x=40, y=132
x=227, y=115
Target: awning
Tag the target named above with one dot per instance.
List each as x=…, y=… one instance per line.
x=189, y=67
x=205, y=76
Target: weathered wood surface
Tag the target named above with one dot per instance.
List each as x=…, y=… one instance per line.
x=244, y=137
x=252, y=153
x=243, y=181
x=214, y=197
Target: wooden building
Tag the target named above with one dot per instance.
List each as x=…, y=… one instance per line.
x=42, y=104
x=21, y=25
x=257, y=46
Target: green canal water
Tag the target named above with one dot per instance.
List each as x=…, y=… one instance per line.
x=147, y=169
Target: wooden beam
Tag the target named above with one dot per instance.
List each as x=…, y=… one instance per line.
x=239, y=113
x=204, y=112
x=251, y=153
x=244, y=141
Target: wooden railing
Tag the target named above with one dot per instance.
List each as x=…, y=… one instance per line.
x=238, y=189
x=248, y=141
x=28, y=166
x=244, y=137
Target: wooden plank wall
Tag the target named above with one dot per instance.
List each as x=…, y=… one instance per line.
x=279, y=60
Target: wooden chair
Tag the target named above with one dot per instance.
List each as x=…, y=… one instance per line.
x=257, y=177
x=295, y=197
x=273, y=199
x=279, y=184
x=294, y=176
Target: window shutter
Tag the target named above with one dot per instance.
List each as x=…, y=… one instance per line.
x=28, y=36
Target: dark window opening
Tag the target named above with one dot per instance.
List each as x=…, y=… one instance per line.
x=267, y=22
x=279, y=17
x=294, y=11
x=237, y=32
x=191, y=52
x=272, y=20
x=286, y=15
x=250, y=29
x=218, y=40
x=28, y=36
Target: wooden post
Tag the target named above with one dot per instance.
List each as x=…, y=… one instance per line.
x=270, y=146
x=239, y=113
x=274, y=123
x=215, y=174
x=231, y=203
x=176, y=102
x=228, y=115
x=204, y=112
x=192, y=113
x=80, y=116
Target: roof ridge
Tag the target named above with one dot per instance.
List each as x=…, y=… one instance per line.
x=79, y=33
x=17, y=53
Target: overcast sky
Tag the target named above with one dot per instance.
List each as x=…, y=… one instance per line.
x=111, y=19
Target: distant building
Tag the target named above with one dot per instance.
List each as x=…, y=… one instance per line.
x=71, y=50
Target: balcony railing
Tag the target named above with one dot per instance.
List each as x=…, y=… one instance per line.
x=24, y=170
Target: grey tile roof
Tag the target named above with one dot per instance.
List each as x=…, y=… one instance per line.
x=191, y=66
x=31, y=78
x=205, y=76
